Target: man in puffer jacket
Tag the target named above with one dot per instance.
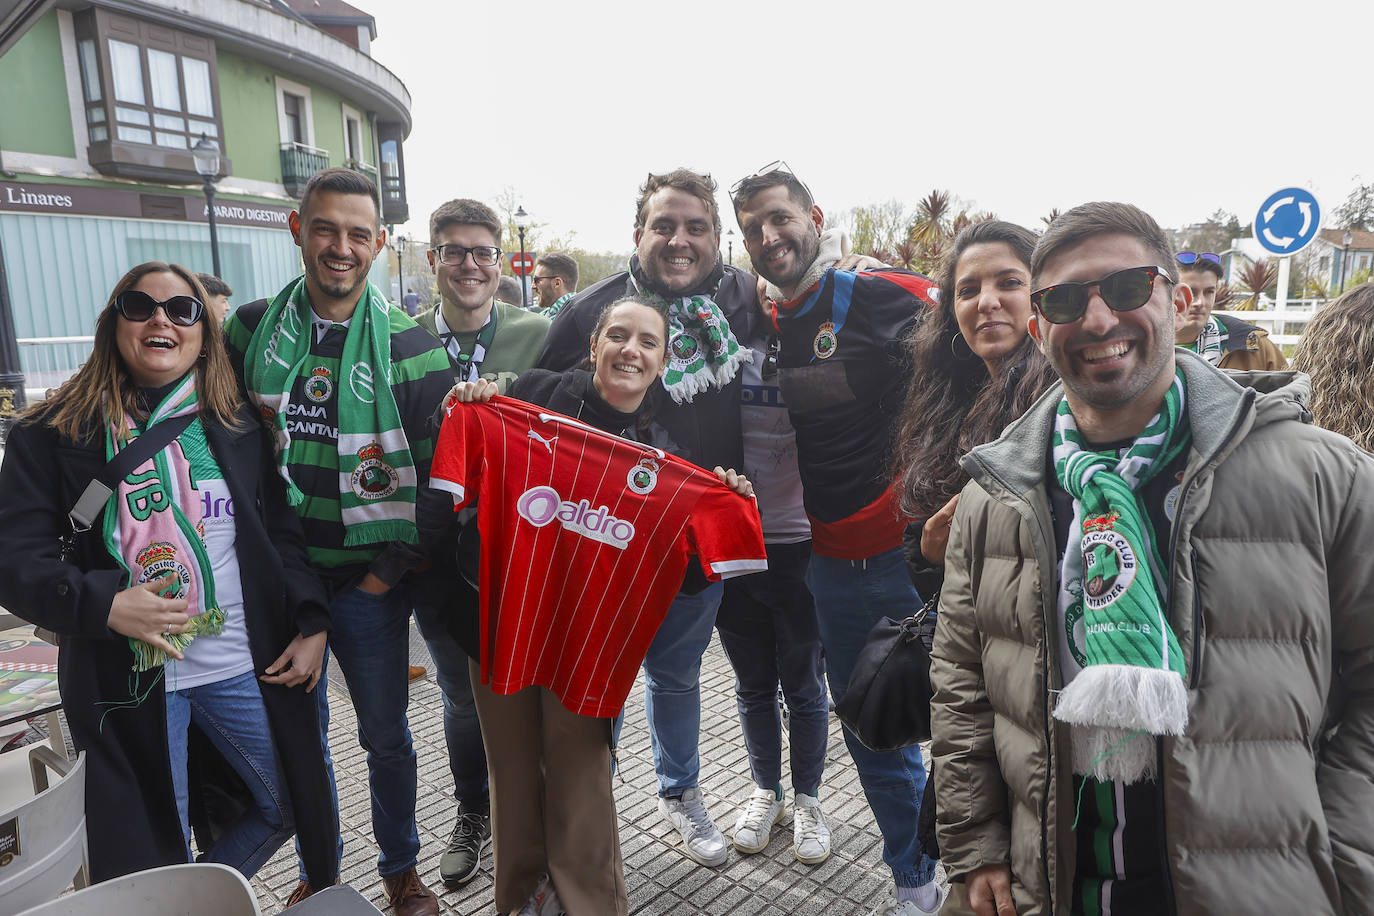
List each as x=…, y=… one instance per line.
x=1154, y=664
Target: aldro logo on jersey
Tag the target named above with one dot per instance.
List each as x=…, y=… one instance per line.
x=541, y=505
x=374, y=478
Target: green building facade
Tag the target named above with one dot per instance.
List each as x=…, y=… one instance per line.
x=100, y=106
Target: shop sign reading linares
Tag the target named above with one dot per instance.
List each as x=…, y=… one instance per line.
x=135, y=203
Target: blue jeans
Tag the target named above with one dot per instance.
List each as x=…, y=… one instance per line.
x=467, y=755
x=672, y=688
x=851, y=596
x=767, y=626
x=232, y=716
x=370, y=637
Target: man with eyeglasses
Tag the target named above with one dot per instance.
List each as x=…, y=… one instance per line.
x=842, y=370
x=1222, y=340
x=485, y=338
x=555, y=282
x=1154, y=666
x=348, y=384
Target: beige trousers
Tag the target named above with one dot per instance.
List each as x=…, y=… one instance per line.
x=551, y=805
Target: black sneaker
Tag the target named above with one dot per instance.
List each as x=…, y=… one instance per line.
x=463, y=855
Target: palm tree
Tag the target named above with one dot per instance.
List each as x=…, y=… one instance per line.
x=1255, y=278
x=932, y=214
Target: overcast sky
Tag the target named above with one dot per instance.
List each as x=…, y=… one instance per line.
x=1179, y=107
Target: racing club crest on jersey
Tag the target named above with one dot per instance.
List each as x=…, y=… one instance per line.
x=159, y=559
x=374, y=478
x=825, y=343
x=643, y=477
x=319, y=387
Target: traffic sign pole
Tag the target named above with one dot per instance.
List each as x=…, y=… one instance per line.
x=1281, y=301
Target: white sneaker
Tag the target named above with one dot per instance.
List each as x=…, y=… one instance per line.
x=754, y=828
x=810, y=835
x=544, y=901
x=689, y=817
x=909, y=907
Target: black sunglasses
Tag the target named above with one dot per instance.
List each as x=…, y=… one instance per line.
x=136, y=305
x=1123, y=291
x=1192, y=257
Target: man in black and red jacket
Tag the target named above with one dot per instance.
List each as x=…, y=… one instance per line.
x=842, y=372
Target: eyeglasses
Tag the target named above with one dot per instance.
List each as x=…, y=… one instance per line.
x=778, y=166
x=1192, y=257
x=1123, y=291
x=136, y=305
x=453, y=255
x=534, y=279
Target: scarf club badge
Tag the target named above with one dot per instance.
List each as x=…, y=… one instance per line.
x=373, y=478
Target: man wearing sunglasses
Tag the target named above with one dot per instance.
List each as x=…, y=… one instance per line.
x=555, y=282
x=348, y=384
x=841, y=370
x=485, y=338
x=1152, y=672
x=1222, y=340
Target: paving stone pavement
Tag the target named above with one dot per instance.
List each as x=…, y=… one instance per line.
x=661, y=880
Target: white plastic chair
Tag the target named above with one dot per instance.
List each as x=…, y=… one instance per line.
x=194, y=889
x=43, y=842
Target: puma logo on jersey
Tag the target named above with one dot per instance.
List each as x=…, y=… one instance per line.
x=547, y=443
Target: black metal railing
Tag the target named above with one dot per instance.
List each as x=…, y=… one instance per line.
x=298, y=163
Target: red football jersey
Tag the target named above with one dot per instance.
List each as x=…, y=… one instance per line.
x=585, y=539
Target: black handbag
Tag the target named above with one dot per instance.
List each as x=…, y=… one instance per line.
x=887, y=702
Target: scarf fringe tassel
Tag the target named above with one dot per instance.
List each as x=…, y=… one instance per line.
x=692, y=385
x=1117, y=710
x=379, y=532
x=147, y=656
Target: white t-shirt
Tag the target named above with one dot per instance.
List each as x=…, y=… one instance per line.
x=217, y=658
x=770, y=456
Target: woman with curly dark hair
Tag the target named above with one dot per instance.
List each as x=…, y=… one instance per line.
x=1337, y=350
x=979, y=370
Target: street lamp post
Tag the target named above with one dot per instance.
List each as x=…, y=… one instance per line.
x=401, y=242
x=522, y=222
x=1345, y=255
x=730, y=247
x=206, y=156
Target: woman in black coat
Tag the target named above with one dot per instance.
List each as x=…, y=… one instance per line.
x=136, y=662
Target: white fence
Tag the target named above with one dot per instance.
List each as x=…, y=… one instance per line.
x=49, y=361
x=1285, y=327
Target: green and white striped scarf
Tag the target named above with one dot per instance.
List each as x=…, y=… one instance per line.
x=1113, y=573
x=1208, y=343
x=377, y=480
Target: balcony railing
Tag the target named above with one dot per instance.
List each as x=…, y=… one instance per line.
x=359, y=166
x=298, y=163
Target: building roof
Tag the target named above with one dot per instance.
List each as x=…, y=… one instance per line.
x=1362, y=240
x=332, y=12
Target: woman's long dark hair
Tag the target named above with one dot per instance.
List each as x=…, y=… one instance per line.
x=952, y=404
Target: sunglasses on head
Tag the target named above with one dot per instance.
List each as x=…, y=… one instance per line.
x=1192, y=257
x=136, y=305
x=1123, y=291
x=777, y=166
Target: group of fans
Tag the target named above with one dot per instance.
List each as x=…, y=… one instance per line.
x=1153, y=655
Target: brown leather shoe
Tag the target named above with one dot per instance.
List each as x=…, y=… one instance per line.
x=303, y=890
x=408, y=895
x=417, y=672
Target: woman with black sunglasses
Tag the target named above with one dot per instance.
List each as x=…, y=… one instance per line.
x=182, y=594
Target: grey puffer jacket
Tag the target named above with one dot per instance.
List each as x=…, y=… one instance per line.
x=1268, y=800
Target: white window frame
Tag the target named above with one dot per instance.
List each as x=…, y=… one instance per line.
x=284, y=86
x=352, y=113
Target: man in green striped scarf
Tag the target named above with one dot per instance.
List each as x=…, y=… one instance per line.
x=1154, y=666
x=347, y=384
